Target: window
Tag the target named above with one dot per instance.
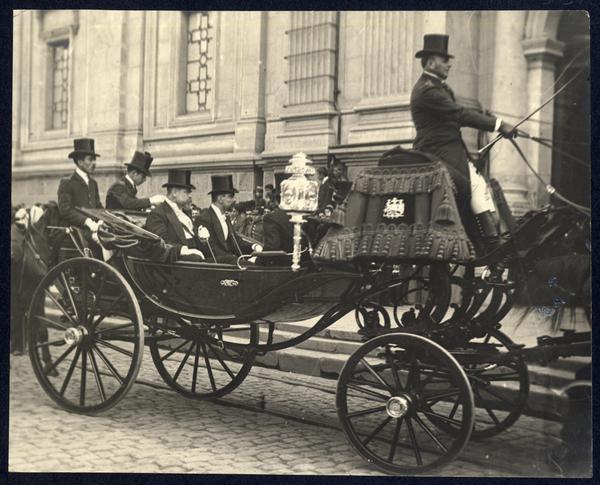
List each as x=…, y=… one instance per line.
x=197, y=77
x=59, y=83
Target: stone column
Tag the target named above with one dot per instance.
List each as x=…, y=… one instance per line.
x=509, y=101
x=542, y=55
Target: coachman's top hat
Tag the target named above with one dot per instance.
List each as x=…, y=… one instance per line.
x=83, y=147
x=434, y=44
x=179, y=178
x=222, y=184
x=141, y=161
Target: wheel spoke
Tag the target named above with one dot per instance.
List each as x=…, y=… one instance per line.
x=182, y=363
x=70, y=294
x=195, y=373
x=393, y=368
x=430, y=434
x=364, y=412
x=496, y=394
x=108, y=331
x=441, y=417
x=83, y=377
x=84, y=298
x=441, y=395
x=59, y=360
x=492, y=415
x=377, y=376
x=172, y=351
x=454, y=409
x=221, y=361
x=413, y=440
x=107, y=311
x=395, y=440
x=56, y=343
x=115, y=347
x=376, y=430
x=108, y=364
x=209, y=369
x=51, y=323
x=70, y=372
x=60, y=307
x=356, y=387
x=97, y=376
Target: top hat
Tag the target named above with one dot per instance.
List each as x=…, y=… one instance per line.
x=179, y=178
x=434, y=44
x=222, y=184
x=83, y=146
x=141, y=161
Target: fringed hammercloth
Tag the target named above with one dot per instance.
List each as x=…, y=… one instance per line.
x=404, y=211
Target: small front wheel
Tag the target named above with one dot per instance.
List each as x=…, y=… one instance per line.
x=386, y=393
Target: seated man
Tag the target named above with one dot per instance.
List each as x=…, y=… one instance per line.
x=170, y=221
x=225, y=245
x=122, y=194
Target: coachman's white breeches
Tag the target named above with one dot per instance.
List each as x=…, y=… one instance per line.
x=481, y=197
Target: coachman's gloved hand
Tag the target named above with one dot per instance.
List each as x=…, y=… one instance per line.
x=507, y=130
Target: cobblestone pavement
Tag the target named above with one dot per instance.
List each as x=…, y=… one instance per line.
x=156, y=430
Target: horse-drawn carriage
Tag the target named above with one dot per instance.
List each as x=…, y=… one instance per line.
x=434, y=370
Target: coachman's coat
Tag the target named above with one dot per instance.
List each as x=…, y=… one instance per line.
x=438, y=119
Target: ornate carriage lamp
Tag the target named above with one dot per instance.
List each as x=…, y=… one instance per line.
x=299, y=197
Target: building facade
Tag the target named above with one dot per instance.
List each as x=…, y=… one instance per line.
x=240, y=92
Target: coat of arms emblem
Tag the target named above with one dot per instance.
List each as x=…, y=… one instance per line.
x=394, y=208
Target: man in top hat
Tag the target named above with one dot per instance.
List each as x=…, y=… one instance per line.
x=80, y=189
x=122, y=194
x=438, y=119
x=224, y=243
x=171, y=221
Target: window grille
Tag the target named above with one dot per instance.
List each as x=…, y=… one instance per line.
x=197, y=77
x=60, y=84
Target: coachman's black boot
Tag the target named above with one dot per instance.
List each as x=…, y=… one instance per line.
x=488, y=230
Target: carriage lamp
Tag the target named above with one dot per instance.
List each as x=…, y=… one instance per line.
x=299, y=197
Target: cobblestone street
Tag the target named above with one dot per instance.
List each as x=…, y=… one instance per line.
x=156, y=430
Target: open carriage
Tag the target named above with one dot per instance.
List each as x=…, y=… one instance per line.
x=434, y=371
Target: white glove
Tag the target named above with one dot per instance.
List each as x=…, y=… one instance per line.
x=92, y=226
x=257, y=248
x=157, y=199
x=185, y=251
x=203, y=232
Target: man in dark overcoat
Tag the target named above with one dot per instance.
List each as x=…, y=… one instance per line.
x=224, y=243
x=122, y=194
x=171, y=220
x=438, y=119
x=80, y=189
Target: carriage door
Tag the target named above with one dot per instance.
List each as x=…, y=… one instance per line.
x=571, y=133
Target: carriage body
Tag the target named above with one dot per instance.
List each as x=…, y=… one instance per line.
x=388, y=262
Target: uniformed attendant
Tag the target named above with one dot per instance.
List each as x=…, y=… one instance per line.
x=122, y=194
x=438, y=119
x=80, y=189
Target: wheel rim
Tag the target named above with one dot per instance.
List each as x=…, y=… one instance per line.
x=202, y=362
x=85, y=325
x=385, y=392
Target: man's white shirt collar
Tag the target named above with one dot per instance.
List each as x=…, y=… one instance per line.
x=130, y=181
x=181, y=216
x=83, y=175
x=222, y=220
x=435, y=76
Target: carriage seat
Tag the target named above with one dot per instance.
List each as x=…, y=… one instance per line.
x=403, y=208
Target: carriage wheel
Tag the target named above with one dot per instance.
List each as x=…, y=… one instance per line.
x=203, y=362
x=85, y=334
x=387, y=390
x=370, y=314
x=426, y=290
x=500, y=391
